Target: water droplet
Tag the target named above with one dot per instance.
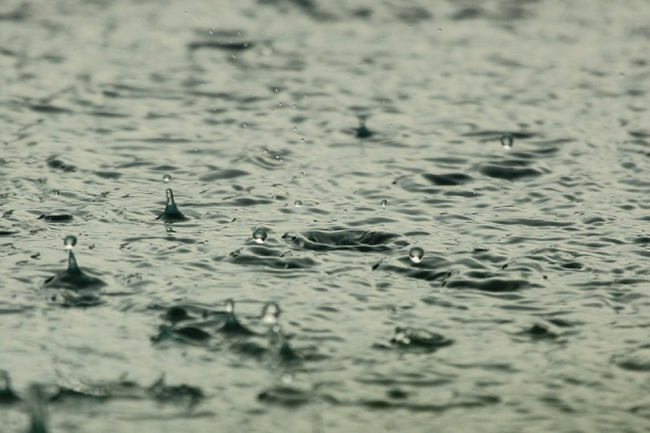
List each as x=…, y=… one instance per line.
x=295, y=128
x=70, y=241
x=210, y=31
x=302, y=173
x=416, y=254
x=297, y=203
x=260, y=235
x=167, y=178
x=507, y=141
x=56, y=192
x=244, y=125
x=230, y=306
x=384, y=203
x=271, y=313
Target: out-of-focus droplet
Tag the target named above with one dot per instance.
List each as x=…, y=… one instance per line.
x=271, y=313
x=297, y=203
x=70, y=241
x=416, y=254
x=56, y=192
x=167, y=178
x=302, y=173
x=230, y=306
x=507, y=140
x=260, y=235
x=384, y=203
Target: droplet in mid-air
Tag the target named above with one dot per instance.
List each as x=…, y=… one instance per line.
x=271, y=313
x=70, y=241
x=171, y=212
x=260, y=235
x=297, y=203
x=167, y=178
x=384, y=203
x=416, y=254
x=507, y=140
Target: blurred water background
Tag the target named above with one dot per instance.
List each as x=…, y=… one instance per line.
x=441, y=207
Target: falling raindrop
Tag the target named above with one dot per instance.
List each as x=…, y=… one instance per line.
x=70, y=241
x=507, y=141
x=167, y=178
x=416, y=254
x=260, y=235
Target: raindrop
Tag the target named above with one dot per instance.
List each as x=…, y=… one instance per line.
x=384, y=203
x=167, y=178
x=271, y=313
x=56, y=192
x=297, y=203
x=507, y=140
x=230, y=306
x=260, y=235
x=416, y=254
x=70, y=241
x=302, y=173
x=244, y=125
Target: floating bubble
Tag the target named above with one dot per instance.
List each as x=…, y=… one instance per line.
x=260, y=235
x=271, y=313
x=297, y=203
x=416, y=254
x=507, y=141
x=70, y=241
x=167, y=178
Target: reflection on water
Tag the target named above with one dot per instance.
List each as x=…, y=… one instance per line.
x=439, y=210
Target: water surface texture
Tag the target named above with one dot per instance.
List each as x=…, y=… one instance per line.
x=389, y=216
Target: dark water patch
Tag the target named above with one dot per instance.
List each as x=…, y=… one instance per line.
x=56, y=218
x=417, y=340
x=286, y=396
x=8, y=232
x=469, y=13
x=342, y=239
x=7, y=394
x=222, y=175
x=21, y=13
x=49, y=109
x=412, y=14
x=530, y=222
x=112, y=175
x=270, y=259
x=57, y=164
x=539, y=332
x=220, y=45
x=505, y=172
x=449, y=179
x=485, y=283
x=309, y=8
x=239, y=201
x=636, y=361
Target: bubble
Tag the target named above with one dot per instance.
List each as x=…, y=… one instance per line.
x=70, y=241
x=271, y=313
x=507, y=141
x=259, y=235
x=384, y=203
x=297, y=203
x=167, y=178
x=416, y=254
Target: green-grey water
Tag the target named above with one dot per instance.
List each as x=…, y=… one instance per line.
x=389, y=216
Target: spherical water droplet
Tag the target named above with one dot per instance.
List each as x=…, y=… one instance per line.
x=302, y=173
x=384, y=203
x=70, y=241
x=230, y=306
x=507, y=141
x=271, y=313
x=260, y=235
x=297, y=203
x=167, y=178
x=416, y=254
